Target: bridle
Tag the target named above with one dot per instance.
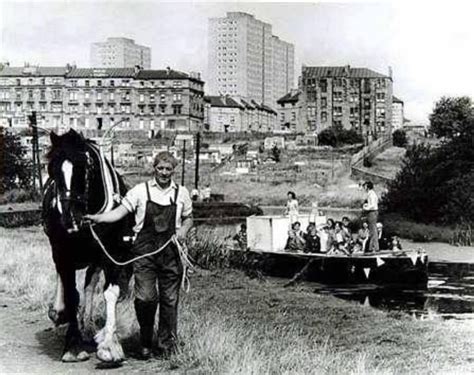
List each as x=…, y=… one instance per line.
x=68, y=197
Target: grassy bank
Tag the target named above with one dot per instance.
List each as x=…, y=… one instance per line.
x=232, y=324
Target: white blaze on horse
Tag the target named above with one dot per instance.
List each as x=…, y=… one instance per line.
x=81, y=181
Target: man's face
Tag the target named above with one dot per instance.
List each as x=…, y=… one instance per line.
x=163, y=172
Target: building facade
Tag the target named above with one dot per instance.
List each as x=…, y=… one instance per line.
x=290, y=112
x=32, y=88
x=246, y=60
x=352, y=98
x=98, y=98
x=397, y=114
x=233, y=114
x=119, y=53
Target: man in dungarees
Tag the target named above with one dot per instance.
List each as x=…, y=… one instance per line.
x=162, y=209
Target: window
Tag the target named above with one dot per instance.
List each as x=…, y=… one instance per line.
x=324, y=102
x=354, y=111
x=43, y=81
x=126, y=82
x=177, y=97
x=162, y=109
x=366, y=103
x=162, y=97
x=72, y=95
x=142, y=98
x=99, y=109
x=380, y=112
x=282, y=116
x=87, y=95
x=99, y=83
x=99, y=95
x=338, y=82
x=337, y=96
x=73, y=82
x=111, y=96
x=176, y=110
x=87, y=83
x=176, y=84
x=43, y=95
x=323, y=84
x=366, y=86
x=112, y=83
x=293, y=116
x=152, y=109
x=324, y=117
x=87, y=108
x=337, y=123
x=337, y=111
x=380, y=96
x=18, y=82
x=141, y=124
x=152, y=97
x=152, y=124
x=30, y=94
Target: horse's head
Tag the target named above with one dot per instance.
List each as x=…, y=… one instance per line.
x=69, y=166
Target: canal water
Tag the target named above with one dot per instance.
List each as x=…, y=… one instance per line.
x=450, y=294
x=450, y=291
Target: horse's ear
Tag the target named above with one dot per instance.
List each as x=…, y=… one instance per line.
x=54, y=138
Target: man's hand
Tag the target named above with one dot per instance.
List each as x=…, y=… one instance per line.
x=181, y=234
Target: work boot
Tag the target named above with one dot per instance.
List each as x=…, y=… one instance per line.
x=146, y=319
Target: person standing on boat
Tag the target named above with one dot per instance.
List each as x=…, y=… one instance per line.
x=371, y=210
x=292, y=207
x=162, y=210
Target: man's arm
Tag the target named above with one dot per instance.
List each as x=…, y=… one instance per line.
x=109, y=217
x=186, y=224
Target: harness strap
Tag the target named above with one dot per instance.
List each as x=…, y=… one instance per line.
x=147, y=191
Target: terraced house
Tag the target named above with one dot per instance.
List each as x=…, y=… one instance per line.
x=98, y=98
x=353, y=98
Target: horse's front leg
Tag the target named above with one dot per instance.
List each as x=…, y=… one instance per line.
x=108, y=345
x=57, y=310
x=87, y=307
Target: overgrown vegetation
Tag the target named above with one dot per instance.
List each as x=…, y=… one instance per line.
x=337, y=136
x=435, y=184
x=15, y=169
x=399, y=137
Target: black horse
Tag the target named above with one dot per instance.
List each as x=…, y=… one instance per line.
x=81, y=181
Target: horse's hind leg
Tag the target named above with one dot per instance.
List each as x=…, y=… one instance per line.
x=108, y=346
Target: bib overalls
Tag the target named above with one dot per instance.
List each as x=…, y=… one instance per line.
x=165, y=267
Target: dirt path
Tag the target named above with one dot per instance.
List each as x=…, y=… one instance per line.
x=29, y=344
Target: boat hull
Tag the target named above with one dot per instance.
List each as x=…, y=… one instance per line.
x=405, y=270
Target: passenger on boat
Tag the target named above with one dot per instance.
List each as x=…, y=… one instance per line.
x=383, y=237
x=313, y=242
x=325, y=238
x=241, y=237
x=363, y=235
x=395, y=244
x=292, y=207
x=295, y=241
x=348, y=226
x=357, y=248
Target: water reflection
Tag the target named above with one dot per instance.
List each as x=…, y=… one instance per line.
x=450, y=294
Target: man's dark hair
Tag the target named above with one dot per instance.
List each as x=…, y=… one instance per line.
x=369, y=185
x=293, y=195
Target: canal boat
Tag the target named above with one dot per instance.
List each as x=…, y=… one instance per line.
x=266, y=239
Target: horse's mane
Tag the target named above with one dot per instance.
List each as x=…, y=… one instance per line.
x=68, y=143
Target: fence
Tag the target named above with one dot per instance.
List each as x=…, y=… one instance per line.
x=359, y=172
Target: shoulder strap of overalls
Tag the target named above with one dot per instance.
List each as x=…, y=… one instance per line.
x=175, y=195
x=147, y=191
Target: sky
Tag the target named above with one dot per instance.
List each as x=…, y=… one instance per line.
x=428, y=45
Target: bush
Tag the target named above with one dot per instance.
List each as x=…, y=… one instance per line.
x=15, y=169
x=435, y=185
x=337, y=136
x=399, y=138
x=19, y=196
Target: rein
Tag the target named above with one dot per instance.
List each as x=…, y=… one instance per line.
x=182, y=251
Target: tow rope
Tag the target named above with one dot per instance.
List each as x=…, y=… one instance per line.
x=182, y=252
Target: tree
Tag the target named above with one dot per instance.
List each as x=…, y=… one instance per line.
x=451, y=116
x=15, y=169
x=399, y=138
x=327, y=137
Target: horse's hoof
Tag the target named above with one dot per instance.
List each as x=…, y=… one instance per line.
x=83, y=356
x=69, y=357
x=57, y=317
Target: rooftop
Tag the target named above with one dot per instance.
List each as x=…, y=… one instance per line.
x=291, y=97
x=35, y=71
x=223, y=101
x=101, y=72
x=340, y=71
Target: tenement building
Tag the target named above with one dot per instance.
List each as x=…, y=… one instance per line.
x=352, y=98
x=246, y=60
x=98, y=98
x=119, y=53
x=397, y=113
x=226, y=114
